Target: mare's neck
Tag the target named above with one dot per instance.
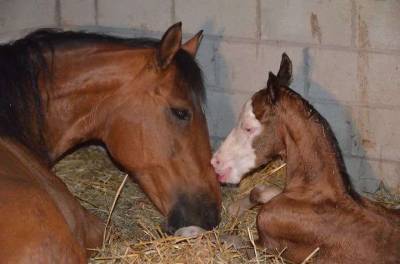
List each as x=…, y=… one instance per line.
x=85, y=82
x=313, y=164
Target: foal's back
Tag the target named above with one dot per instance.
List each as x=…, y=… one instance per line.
x=357, y=231
x=34, y=203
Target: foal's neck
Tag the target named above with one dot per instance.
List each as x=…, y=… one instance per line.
x=313, y=160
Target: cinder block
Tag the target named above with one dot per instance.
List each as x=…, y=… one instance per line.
x=153, y=15
x=376, y=133
x=77, y=12
x=215, y=143
x=340, y=120
x=382, y=79
x=206, y=58
x=244, y=67
x=20, y=14
x=223, y=17
x=365, y=175
x=309, y=21
x=390, y=176
x=374, y=173
x=353, y=165
x=378, y=24
x=222, y=111
x=333, y=75
x=368, y=186
x=370, y=175
x=13, y=35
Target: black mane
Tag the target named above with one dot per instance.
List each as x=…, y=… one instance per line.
x=21, y=62
x=191, y=74
x=21, y=111
x=57, y=38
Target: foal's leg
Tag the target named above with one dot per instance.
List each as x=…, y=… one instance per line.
x=289, y=225
x=261, y=194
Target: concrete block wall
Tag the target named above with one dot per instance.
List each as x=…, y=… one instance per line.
x=346, y=56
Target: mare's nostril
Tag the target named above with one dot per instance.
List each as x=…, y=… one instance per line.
x=197, y=209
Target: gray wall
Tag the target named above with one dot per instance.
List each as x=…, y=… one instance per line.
x=346, y=56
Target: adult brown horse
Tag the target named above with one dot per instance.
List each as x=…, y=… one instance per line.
x=317, y=207
x=142, y=98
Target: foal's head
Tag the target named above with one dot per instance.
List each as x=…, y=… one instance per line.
x=257, y=138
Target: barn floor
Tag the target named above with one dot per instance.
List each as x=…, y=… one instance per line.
x=135, y=234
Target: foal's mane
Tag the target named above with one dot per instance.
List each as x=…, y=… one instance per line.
x=22, y=61
x=314, y=116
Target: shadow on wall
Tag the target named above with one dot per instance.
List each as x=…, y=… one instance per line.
x=222, y=119
x=220, y=108
x=339, y=117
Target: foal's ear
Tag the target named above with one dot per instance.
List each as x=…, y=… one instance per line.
x=272, y=88
x=169, y=45
x=285, y=71
x=192, y=45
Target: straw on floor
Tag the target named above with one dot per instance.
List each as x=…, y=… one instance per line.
x=134, y=226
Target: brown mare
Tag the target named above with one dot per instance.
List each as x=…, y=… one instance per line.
x=142, y=98
x=317, y=207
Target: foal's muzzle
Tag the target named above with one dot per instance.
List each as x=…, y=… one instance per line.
x=193, y=210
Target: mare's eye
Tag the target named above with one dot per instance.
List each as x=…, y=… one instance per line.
x=180, y=113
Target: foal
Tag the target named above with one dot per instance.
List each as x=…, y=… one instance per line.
x=318, y=207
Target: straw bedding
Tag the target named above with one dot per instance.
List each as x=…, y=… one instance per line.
x=134, y=234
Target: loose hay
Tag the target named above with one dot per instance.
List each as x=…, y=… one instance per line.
x=135, y=234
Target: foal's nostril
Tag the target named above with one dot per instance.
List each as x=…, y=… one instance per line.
x=215, y=161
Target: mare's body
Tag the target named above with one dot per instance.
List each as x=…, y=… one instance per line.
x=41, y=222
x=141, y=98
x=317, y=207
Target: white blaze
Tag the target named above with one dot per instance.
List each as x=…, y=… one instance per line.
x=236, y=155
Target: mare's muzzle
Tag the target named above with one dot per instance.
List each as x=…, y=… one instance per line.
x=193, y=210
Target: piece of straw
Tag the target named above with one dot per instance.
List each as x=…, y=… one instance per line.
x=310, y=256
x=252, y=242
x=112, y=208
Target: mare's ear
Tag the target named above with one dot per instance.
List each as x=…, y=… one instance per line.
x=192, y=45
x=169, y=45
x=272, y=88
x=285, y=71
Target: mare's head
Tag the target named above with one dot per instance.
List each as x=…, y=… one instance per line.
x=159, y=133
x=257, y=138
x=142, y=98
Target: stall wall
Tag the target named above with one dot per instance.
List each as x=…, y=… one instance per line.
x=346, y=56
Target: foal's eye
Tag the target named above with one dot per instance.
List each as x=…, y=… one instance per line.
x=181, y=114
